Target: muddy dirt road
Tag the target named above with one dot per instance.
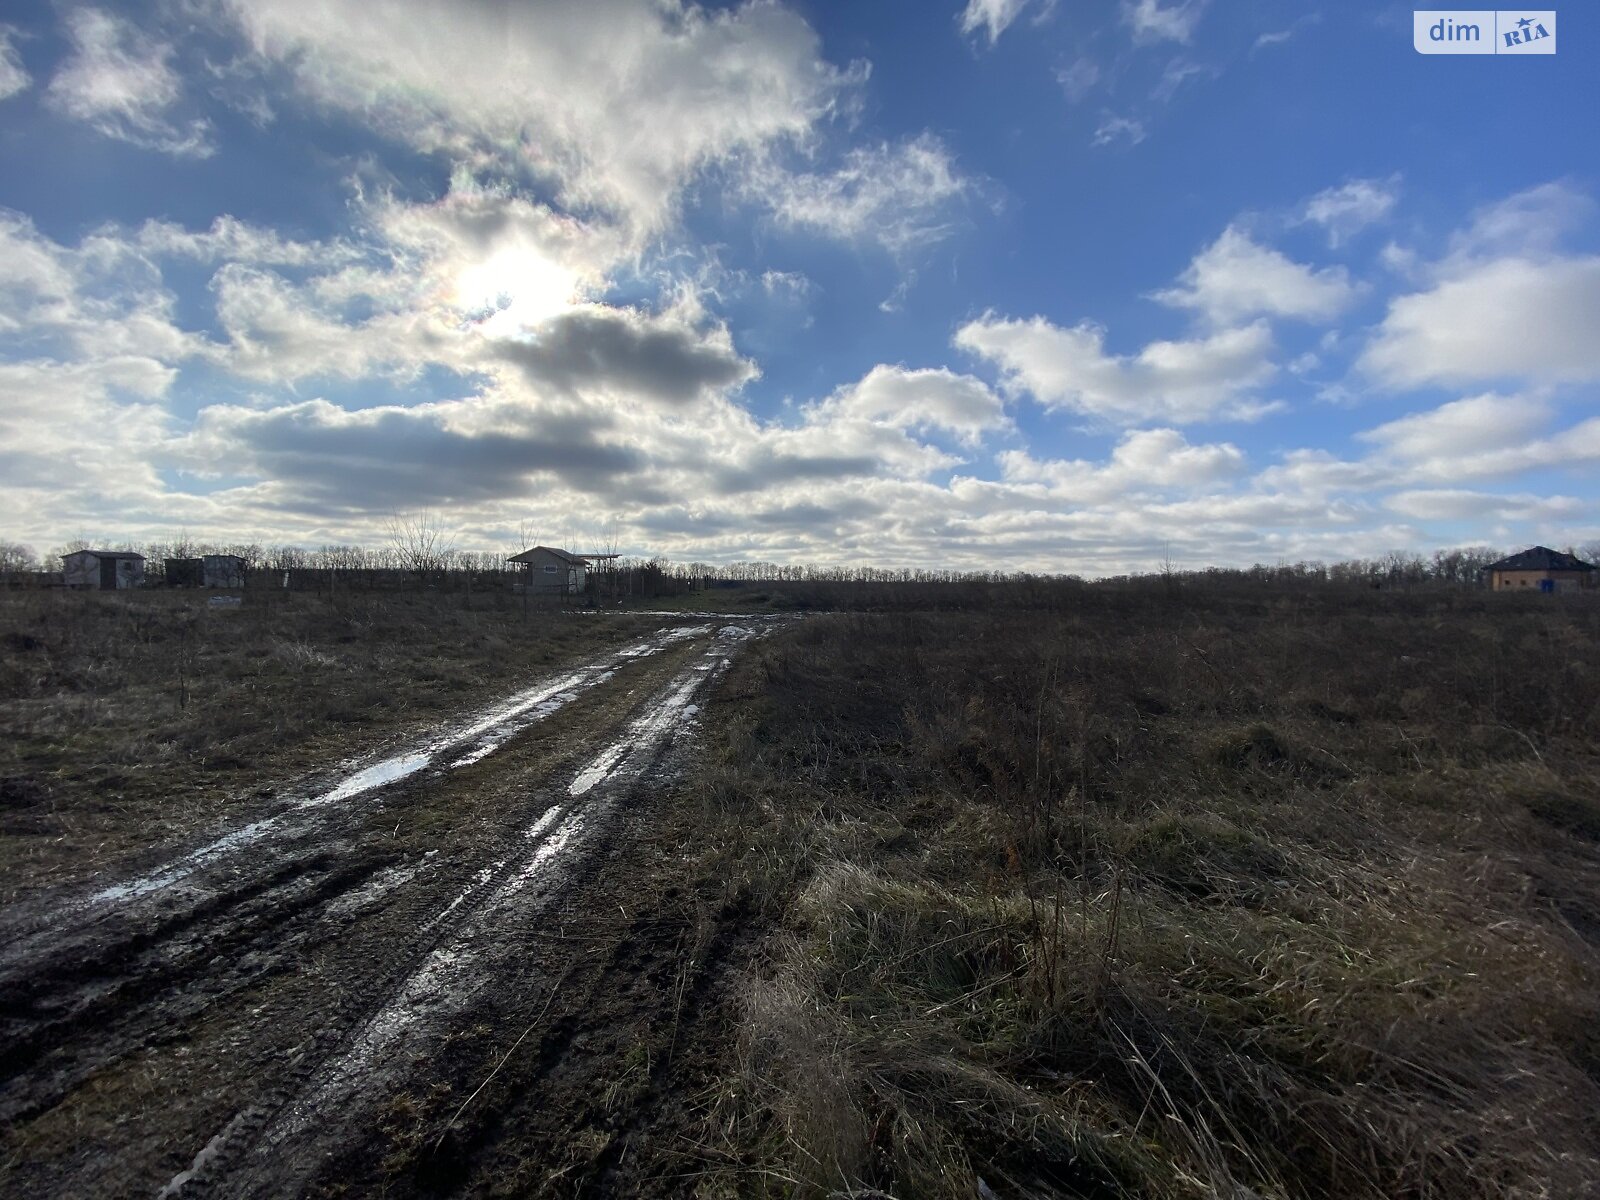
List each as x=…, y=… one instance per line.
x=448, y=969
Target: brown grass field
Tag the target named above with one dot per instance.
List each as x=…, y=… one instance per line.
x=1173, y=892
x=1161, y=888
x=135, y=717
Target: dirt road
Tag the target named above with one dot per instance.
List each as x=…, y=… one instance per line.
x=447, y=969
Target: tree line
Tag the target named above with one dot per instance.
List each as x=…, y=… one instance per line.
x=417, y=556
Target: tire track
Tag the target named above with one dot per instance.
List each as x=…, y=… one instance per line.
x=44, y=926
x=274, y=1145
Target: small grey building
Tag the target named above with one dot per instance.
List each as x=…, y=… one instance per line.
x=551, y=571
x=106, y=570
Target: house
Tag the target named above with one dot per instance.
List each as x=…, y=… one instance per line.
x=212, y=571
x=1540, y=568
x=104, y=569
x=548, y=570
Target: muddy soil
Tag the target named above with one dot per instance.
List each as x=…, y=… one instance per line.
x=488, y=962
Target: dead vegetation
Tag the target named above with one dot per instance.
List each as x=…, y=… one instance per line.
x=128, y=718
x=1177, y=893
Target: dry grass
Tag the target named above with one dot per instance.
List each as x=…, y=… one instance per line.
x=130, y=717
x=1179, y=894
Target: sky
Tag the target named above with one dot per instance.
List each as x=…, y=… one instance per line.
x=1002, y=284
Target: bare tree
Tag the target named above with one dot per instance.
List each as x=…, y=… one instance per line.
x=16, y=559
x=420, y=542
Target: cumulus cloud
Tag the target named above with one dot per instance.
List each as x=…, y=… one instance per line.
x=391, y=456
x=98, y=300
x=1461, y=504
x=922, y=400
x=1346, y=210
x=628, y=354
x=1475, y=425
x=14, y=76
x=899, y=195
x=618, y=103
x=1317, y=473
x=1236, y=278
x=82, y=433
x=1512, y=318
x=277, y=334
x=1142, y=461
x=1180, y=382
x=121, y=81
x=1503, y=303
x=1429, y=453
x=517, y=436
x=1151, y=21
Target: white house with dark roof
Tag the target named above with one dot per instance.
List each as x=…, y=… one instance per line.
x=548, y=570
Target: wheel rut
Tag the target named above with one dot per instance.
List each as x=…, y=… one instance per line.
x=286, y=980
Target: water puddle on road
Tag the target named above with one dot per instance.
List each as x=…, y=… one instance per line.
x=485, y=732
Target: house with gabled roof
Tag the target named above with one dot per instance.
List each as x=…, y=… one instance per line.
x=552, y=571
x=1540, y=569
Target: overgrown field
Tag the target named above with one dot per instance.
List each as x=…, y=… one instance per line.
x=130, y=718
x=1178, y=893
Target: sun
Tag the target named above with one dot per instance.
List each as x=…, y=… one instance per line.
x=516, y=289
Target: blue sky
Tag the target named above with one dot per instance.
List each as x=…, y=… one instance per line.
x=1048, y=286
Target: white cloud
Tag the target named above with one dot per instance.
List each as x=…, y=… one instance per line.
x=898, y=195
x=921, y=400
x=1112, y=127
x=1142, y=461
x=120, y=81
x=619, y=103
x=1483, y=437
x=1351, y=207
x=791, y=286
x=1278, y=37
x=98, y=300
x=278, y=334
x=994, y=17
x=1528, y=224
x=1152, y=22
x=84, y=432
x=1460, y=504
x=1512, y=318
x=1502, y=304
x=1077, y=80
x=232, y=240
x=1235, y=278
x=1474, y=425
x=1317, y=473
x=14, y=76
x=1179, y=72
x=1211, y=378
